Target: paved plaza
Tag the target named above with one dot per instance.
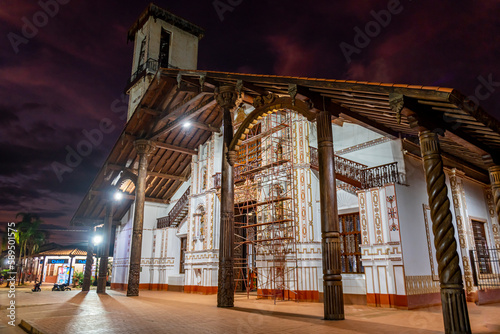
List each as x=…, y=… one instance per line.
x=174, y=312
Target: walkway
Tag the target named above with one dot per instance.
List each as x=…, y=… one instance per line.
x=174, y=312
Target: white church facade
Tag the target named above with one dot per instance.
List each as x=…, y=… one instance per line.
x=388, y=255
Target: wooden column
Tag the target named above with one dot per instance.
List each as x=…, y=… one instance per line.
x=106, y=238
x=143, y=148
x=495, y=188
x=455, y=315
x=330, y=236
x=89, y=262
x=225, y=292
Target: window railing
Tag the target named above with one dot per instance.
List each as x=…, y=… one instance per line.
x=364, y=176
x=485, y=266
x=150, y=66
x=171, y=218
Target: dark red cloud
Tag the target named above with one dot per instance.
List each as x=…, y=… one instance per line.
x=65, y=78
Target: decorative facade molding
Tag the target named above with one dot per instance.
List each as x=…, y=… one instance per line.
x=419, y=285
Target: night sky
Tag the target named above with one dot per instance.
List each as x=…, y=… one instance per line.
x=62, y=78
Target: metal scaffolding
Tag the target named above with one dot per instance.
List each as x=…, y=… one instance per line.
x=265, y=222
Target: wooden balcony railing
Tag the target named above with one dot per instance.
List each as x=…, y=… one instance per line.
x=360, y=175
x=380, y=175
x=172, y=218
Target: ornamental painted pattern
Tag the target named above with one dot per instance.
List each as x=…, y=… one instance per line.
x=488, y=196
x=419, y=285
x=460, y=209
x=363, y=218
x=392, y=213
x=377, y=218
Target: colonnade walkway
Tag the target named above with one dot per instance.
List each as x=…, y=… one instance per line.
x=174, y=312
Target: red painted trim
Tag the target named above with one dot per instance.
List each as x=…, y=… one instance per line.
x=204, y=290
x=424, y=300
x=386, y=300
x=488, y=296
x=302, y=295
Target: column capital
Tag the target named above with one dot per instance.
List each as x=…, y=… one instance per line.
x=144, y=146
x=226, y=97
x=429, y=143
x=231, y=157
x=494, y=172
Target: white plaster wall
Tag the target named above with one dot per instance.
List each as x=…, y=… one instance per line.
x=411, y=220
x=413, y=235
x=350, y=135
x=474, y=197
x=121, y=253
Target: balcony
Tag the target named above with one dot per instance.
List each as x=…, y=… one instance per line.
x=151, y=66
x=359, y=175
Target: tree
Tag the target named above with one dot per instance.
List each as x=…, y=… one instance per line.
x=29, y=238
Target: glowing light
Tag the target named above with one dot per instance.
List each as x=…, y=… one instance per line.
x=118, y=195
x=97, y=239
x=186, y=124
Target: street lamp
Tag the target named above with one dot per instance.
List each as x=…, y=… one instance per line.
x=97, y=241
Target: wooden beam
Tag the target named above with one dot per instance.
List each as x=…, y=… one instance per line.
x=150, y=173
x=175, y=148
x=183, y=118
x=167, y=176
x=150, y=111
x=425, y=116
x=165, y=146
x=99, y=193
x=204, y=126
x=172, y=114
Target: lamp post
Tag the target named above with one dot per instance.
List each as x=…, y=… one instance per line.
x=97, y=242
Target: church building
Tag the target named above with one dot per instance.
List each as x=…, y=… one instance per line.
x=298, y=189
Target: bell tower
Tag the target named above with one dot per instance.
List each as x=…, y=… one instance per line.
x=161, y=40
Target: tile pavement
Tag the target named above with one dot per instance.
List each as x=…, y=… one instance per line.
x=173, y=312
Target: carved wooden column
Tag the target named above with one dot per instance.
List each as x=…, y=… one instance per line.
x=225, y=294
x=455, y=315
x=106, y=238
x=330, y=236
x=495, y=188
x=88, y=262
x=144, y=148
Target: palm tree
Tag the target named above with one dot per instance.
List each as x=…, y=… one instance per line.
x=29, y=238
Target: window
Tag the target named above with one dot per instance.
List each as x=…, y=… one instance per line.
x=483, y=255
x=350, y=241
x=142, y=55
x=164, y=48
x=183, y=254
